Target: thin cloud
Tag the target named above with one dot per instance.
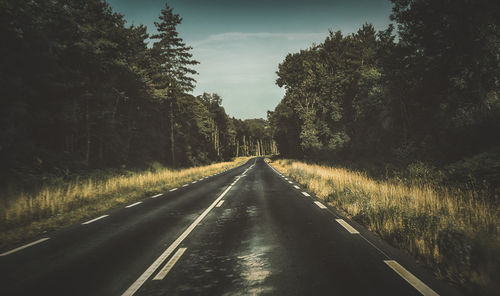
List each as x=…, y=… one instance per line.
x=236, y=36
x=241, y=67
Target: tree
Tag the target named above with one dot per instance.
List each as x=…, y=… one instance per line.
x=173, y=64
x=327, y=87
x=451, y=51
x=429, y=94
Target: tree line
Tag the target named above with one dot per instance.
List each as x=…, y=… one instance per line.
x=424, y=89
x=81, y=88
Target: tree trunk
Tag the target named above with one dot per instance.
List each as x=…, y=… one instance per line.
x=237, y=147
x=218, y=142
x=244, y=146
x=172, y=143
x=87, y=129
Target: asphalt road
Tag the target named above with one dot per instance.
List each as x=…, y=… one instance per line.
x=246, y=231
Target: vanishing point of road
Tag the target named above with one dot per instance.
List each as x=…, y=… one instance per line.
x=247, y=231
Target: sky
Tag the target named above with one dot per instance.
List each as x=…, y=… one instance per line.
x=240, y=44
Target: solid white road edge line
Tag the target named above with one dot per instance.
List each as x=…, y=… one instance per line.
x=320, y=205
x=173, y=189
x=151, y=269
x=410, y=278
x=93, y=220
x=134, y=204
x=305, y=193
x=25, y=246
x=347, y=226
x=158, y=195
x=163, y=272
x=219, y=204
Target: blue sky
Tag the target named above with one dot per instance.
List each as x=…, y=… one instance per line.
x=240, y=44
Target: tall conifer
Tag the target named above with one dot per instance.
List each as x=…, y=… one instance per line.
x=173, y=62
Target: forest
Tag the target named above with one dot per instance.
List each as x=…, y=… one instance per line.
x=82, y=90
x=400, y=130
x=422, y=93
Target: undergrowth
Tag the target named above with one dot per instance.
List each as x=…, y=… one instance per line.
x=452, y=230
x=27, y=214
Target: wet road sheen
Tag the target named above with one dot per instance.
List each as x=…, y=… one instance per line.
x=259, y=235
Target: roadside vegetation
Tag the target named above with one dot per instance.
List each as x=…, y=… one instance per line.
x=414, y=106
x=27, y=214
x=454, y=231
x=89, y=102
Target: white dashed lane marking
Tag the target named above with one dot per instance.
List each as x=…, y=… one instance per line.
x=320, y=205
x=347, y=226
x=96, y=219
x=134, y=204
x=25, y=246
x=154, y=266
x=394, y=265
x=410, y=278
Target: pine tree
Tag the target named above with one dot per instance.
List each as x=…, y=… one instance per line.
x=173, y=62
x=172, y=54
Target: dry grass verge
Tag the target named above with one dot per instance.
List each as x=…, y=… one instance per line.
x=453, y=231
x=27, y=214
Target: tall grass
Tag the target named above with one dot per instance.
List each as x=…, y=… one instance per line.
x=26, y=214
x=455, y=232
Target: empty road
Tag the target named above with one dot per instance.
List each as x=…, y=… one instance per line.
x=245, y=231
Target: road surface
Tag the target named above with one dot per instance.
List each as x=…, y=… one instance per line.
x=245, y=231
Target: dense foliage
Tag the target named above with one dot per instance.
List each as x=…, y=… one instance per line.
x=428, y=93
x=81, y=89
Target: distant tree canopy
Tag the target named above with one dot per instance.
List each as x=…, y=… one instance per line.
x=429, y=93
x=81, y=88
